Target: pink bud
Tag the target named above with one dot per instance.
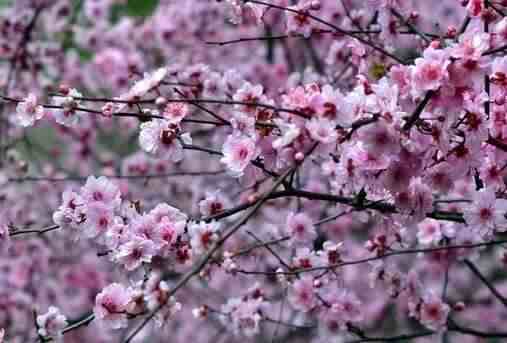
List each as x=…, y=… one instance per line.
x=161, y=101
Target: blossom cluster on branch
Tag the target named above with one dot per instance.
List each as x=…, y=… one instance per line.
x=267, y=171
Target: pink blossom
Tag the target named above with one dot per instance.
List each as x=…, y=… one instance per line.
x=99, y=218
x=238, y=152
x=162, y=139
x=68, y=115
x=289, y=133
x=434, y=312
x=322, y=130
x=71, y=212
x=300, y=22
x=167, y=231
x=28, y=111
x=213, y=203
x=165, y=210
x=475, y=7
x=430, y=71
x=175, y=112
x=300, y=229
x=429, y=232
x=244, y=314
x=248, y=93
x=486, y=212
x=101, y=190
x=51, y=323
x=111, y=304
x=302, y=294
x=203, y=235
x=134, y=252
x=380, y=138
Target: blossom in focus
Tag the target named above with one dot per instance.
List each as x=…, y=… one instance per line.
x=51, y=323
x=111, y=305
x=28, y=111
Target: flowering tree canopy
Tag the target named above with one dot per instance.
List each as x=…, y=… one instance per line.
x=253, y=170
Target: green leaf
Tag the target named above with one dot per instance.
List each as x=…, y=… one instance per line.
x=134, y=8
x=141, y=8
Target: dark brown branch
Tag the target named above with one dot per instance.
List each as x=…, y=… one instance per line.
x=486, y=282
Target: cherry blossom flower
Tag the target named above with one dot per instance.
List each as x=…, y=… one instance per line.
x=486, y=213
x=69, y=114
x=71, y=212
x=162, y=139
x=289, y=133
x=167, y=232
x=143, y=86
x=429, y=232
x=99, y=218
x=244, y=314
x=380, y=138
x=475, y=7
x=300, y=229
x=165, y=210
x=213, y=203
x=175, y=112
x=322, y=130
x=248, y=93
x=51, y=323
x=434, y=312
x=238, y=152
x=28, y=111
x=203, y=235
x=345, y=308
x=111, y=304
x=101, y=190
x=134, y=252
x=430, y=71
x=300, y=22
x=302, y=294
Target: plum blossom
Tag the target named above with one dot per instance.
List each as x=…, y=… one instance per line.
x=486, y=212
x=244, y=314
x=71, y=212
x=434, y=312
x=167, y=232
x=162, y=139
x=101, y=190
x=28, y=111
x=429, y=232
x=69, y=114
x=165, y=210
x=289, y=133
x=344, y=308
x=380, y=138
x=203, y=235
x=238, y=152
x=300, y=229
x=213, y=203
x=430, y=71
x=300, y=22
x=143, y=86
x=175, y=112
x=322, y=130
x=248, y=93
x=111, y=305
x=51, y=323
x=475, y=7
x=302, y=294
x=99, y=218
x=136, y=251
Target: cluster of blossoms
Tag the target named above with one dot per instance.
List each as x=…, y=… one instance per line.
x=347, y=158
